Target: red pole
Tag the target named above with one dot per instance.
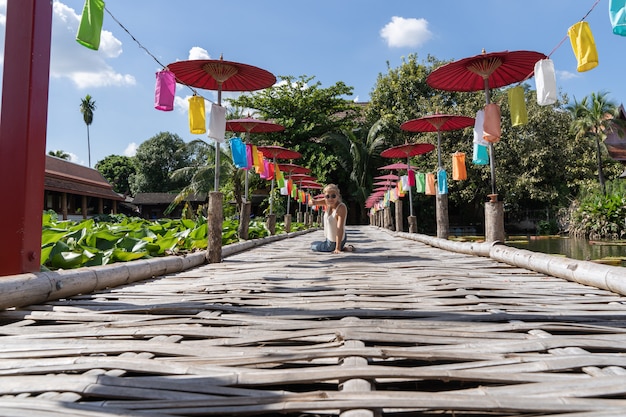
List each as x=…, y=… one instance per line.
x=23, y=133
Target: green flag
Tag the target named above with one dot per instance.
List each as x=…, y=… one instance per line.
x=91, y=24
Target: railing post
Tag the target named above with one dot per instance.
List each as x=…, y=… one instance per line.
x=23, y=125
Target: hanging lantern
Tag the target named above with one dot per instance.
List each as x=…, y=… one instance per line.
x=197, y=118
x=165, y=90
x=90, y=26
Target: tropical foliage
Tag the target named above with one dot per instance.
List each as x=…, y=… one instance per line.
x=117, y=238
x=156, y=159
x=60, y=154
x=118, y=170
x=600, y=215
x=593, y=117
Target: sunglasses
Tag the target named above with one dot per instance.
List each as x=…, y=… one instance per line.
x=330, y=196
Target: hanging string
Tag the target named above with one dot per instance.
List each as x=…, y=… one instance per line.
x=195, y=92
x=565, y=38
x=560, y=43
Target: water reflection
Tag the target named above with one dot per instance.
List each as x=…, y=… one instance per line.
x=570, y=247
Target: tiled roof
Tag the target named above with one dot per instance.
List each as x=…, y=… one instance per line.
x=164, y=198
x=66, y=176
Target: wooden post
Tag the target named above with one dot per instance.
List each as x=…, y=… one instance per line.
x=388, y=218
x=287, y=223
x=100, y=205
x=244, y=220
x=64, y=205
x=84, y=206
x=399, y=220
x=494, y=220
x=271, y=223
x=214, y=224
x=443, y=222
x=23, y=132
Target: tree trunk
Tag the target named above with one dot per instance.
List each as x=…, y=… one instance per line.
x=600, y=170
x=88, y=147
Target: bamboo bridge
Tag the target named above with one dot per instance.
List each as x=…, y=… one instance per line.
x=406, y=325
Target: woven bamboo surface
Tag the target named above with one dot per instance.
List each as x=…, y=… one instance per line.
x=395, y=328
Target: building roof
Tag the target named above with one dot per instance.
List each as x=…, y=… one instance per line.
x=68, y=177
x=165, y=198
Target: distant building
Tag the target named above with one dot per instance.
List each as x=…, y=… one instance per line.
x=153, y=205
x=75, y=191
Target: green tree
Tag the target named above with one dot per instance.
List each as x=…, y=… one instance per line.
x=118, y=170
x=156, y=159
x=308, y=112
x=60, y=154
x=87, y=107
x=538, y=165
x=592, y=118
x=359, y=156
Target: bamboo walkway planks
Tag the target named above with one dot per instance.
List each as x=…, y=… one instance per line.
x=396, y=328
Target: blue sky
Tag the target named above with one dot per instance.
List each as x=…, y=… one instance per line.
x=348, y=40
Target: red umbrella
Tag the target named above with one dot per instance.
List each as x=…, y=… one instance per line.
x=301, y=177
x=407, y=151
x=388, y=182
x=277, y=152
x=432, y=123
x=220, y=75
x=397, y=165
x=293, y=169
x=252, y=125
x=387, y=177
x=438, y=123
x=483, y=72
x=311, y=185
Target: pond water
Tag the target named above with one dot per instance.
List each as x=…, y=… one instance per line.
x=570, y=247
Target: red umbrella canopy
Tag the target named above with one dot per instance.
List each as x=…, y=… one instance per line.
x=407, y=150
x=217, y=74
x=301, y=177
x=312, y=185
x=487, y=70
x=278, y=152
x=387, y=177
x=398, y=165
x=293, y=169
x=252, y=125
x=387, y=183
x=437, y=122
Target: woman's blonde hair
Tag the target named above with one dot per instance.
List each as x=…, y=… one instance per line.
x=333, y=188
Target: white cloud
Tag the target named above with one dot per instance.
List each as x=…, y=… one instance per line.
x=401, y=32
x=131, y=149
x=567, y=75
x=181, y=104
x=198, y=53
x=83, y=66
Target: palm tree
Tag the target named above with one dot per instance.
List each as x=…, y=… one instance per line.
x=593, y=117
x=359, y=156
x=87, y=107
x=60, y=154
